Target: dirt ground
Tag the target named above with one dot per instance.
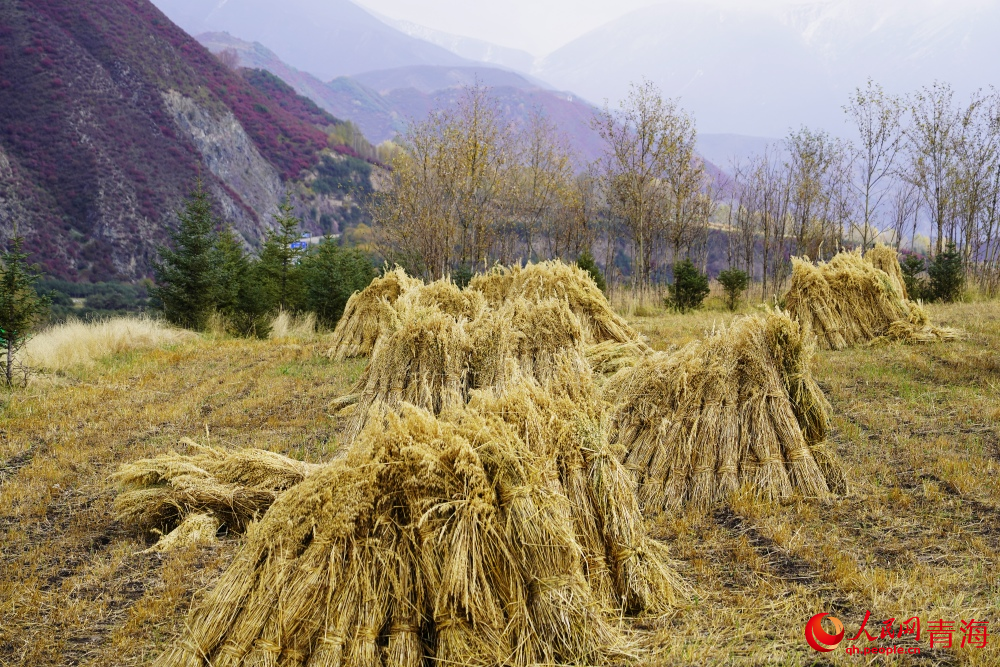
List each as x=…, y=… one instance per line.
x=918, y=428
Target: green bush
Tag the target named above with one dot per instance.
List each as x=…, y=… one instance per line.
x=462, y=276
x=330, y=275
x=947, y=275
x=587, y=263
x=912, y=266
x=734, y=282
x=689, y=289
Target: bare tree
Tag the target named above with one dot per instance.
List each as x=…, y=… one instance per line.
x=643, y=141
x=876, y=116
x=904, y=210
x=451, y=191
x=545, y=191
x=932, y=134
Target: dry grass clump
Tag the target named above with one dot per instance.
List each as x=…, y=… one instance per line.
x=555, y=279
x=76, y=343
x=365, y=315
x=453, y=540
x=232, y=487
x=286, y=325
x=852, y=300
x=738, y=408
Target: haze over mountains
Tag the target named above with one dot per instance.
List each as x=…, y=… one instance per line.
x=747, y=68
x=327, y=38
x=382, y=102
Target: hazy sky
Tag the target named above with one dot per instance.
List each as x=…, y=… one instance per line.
x=536, y=26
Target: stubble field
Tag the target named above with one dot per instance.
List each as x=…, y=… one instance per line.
x=918, y=428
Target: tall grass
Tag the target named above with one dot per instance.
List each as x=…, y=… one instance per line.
x=286, y=325
x=76, y=343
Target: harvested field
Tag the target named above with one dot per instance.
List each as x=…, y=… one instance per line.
x=916, y=428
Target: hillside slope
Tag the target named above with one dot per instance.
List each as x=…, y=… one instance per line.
x=382, y=102
x=109, y=113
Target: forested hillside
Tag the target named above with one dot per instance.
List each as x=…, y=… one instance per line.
x=109, y=113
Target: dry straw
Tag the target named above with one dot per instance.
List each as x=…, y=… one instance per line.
x=853, y=300
x=428, y=358
x=232, y=487
x=489, y=510
x=555, y=279
x=739, y=408
x=365, y=315
x=448, y=540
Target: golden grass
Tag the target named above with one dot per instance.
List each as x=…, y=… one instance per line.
x=76, y=343
x=293, y=327
x=916, y=429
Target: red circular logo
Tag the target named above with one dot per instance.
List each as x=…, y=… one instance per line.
x=816, y=636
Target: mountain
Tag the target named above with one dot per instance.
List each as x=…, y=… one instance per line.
x=760, y=70
x=382, y=102
x=327, y=38
x=110, y=113
x=467, y=47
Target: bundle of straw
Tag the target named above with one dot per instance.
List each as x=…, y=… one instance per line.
x=886, y=259
x=421, y=359
x=525, y=339
x=852, y=300
x=555, y=279
x=611, y=356
x=428, y=358
x=365, y=315
x=739, y=408
x=448, y=298
x=434, y=540
x=233, y=487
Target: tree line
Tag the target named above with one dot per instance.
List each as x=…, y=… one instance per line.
x=207, y=277
x=918, y=157
x=469, y=188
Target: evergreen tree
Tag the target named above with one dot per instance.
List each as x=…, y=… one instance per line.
x=20, y=305
x=279, y=258
x=689, y=289
x=912, y=266
x=330, y=275
x=734, y=282
x=587, y=263
x=185, y=274
x=461, y=276
x=947, y=274
x=238, y=295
